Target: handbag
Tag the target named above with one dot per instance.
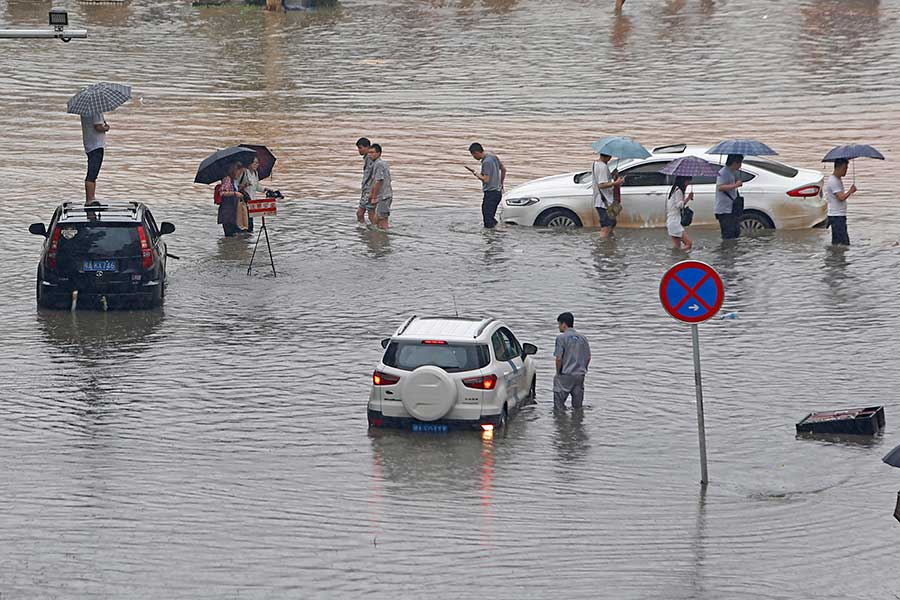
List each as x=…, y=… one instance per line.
x=687, y=216
x=614, y=209
x=737, y=205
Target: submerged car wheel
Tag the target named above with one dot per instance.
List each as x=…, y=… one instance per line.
x=753, y=223
x=532, y=393
x=558, y=218
x=503, y=418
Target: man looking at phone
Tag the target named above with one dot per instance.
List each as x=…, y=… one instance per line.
x=492, y=176
x=93, y=133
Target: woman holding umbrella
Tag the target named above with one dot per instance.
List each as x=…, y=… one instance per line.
x=231, y=196
x=675, y=203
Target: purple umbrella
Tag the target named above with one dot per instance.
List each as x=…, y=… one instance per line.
x=690, y=166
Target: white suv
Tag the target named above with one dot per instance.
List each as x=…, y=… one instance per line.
x=442, y=372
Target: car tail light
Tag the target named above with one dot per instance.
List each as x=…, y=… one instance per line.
x=434, y=342
x=488, y=382
x=379, y=378
x=806, y=191
x=146, y=254
x=53, y=249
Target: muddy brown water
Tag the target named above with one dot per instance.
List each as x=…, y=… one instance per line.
x=217, y=448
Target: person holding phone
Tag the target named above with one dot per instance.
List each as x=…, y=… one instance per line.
x=492, y=176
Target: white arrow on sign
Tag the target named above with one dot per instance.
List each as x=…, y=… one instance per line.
x=694, y=307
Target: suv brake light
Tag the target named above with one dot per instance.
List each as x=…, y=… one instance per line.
x=487, y=382
x=146, y=254
x=379, y=378
x=53, y=249
x=806, y=191
x=434, y=342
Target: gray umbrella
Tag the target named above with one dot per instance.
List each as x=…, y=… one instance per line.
x=98, y=98
x=893, y=457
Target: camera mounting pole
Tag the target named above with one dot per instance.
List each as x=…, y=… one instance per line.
x=59, y=22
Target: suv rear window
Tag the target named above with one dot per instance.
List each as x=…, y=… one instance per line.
x=109, y=240
x=453, y=358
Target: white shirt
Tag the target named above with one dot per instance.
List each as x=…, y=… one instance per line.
x=600, y=172
x=836, y=206
x=93, y=139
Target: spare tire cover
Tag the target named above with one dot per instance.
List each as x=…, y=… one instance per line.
x=429, y=393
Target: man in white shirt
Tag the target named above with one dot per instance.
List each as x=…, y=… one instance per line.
x=603, y=188
x=837, y=203
x=93, y=133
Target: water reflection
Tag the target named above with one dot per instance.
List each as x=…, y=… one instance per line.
x=571, y=440
x=95, y=337
x=621, y=29
x=377, y=242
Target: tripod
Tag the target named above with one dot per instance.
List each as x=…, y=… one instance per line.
x=262, y=231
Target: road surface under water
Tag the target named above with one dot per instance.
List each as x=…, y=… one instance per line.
x=217, y=447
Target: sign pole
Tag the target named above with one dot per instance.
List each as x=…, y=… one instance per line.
x=701, y=425
x=692, y=292
x=269, y=246
x=262, y=208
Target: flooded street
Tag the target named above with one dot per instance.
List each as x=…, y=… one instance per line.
x=218, y=447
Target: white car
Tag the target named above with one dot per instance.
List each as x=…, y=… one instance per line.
x=437, y=373
x=776, y=196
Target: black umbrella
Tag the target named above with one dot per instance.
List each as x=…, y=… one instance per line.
x=893, y=457
x=215, y=166
x=266, y=159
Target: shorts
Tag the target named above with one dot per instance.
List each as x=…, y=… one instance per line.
x=383, y=208
x=95, y=161
x=605, y=219
x=839, y=235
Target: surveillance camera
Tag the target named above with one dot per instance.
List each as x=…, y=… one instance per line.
x=59, y=18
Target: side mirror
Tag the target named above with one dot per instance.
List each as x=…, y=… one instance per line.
x=166, y=228
x=529, y=349
x=385, y=342
x=37, y=229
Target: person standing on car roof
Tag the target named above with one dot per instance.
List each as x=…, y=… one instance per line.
x=837, y=203
x=492, y=176
x=93, y=134
x=573, y=356
x=362, y=146
x=729, y=204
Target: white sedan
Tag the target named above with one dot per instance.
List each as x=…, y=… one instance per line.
x=776, y=196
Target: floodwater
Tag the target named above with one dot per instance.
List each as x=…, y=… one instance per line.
x=217, y=448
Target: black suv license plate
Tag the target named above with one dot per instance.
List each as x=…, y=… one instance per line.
x=100, y=265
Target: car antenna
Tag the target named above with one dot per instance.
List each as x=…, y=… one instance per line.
x=454, y=304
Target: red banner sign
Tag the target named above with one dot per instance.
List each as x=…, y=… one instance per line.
x=262, y=208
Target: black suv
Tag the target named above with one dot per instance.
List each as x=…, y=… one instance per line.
x=111, y=254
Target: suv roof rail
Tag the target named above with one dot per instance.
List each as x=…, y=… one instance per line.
x=483, y=326
x=405, y=325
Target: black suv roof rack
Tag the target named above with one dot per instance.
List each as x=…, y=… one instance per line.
x=670, y=149
x=128, y=210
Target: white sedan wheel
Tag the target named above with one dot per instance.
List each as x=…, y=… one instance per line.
x=429, y=393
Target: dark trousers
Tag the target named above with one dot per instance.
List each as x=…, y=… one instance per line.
x=489, y=208
x=250, y=224
x=230, y=229
x=729, y=225
x=839, y=235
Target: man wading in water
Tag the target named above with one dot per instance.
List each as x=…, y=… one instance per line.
x=573, y=356
x=493, y=175
x=362, y=146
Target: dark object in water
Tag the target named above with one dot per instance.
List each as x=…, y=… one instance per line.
x=897, y=509
x=854, y=421
x=307, y=4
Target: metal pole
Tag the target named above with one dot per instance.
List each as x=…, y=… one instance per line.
x=258, y=237
x=701, y=426
x=269, y=246
x=43, y=34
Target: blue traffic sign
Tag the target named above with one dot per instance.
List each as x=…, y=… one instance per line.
x=691, y=291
